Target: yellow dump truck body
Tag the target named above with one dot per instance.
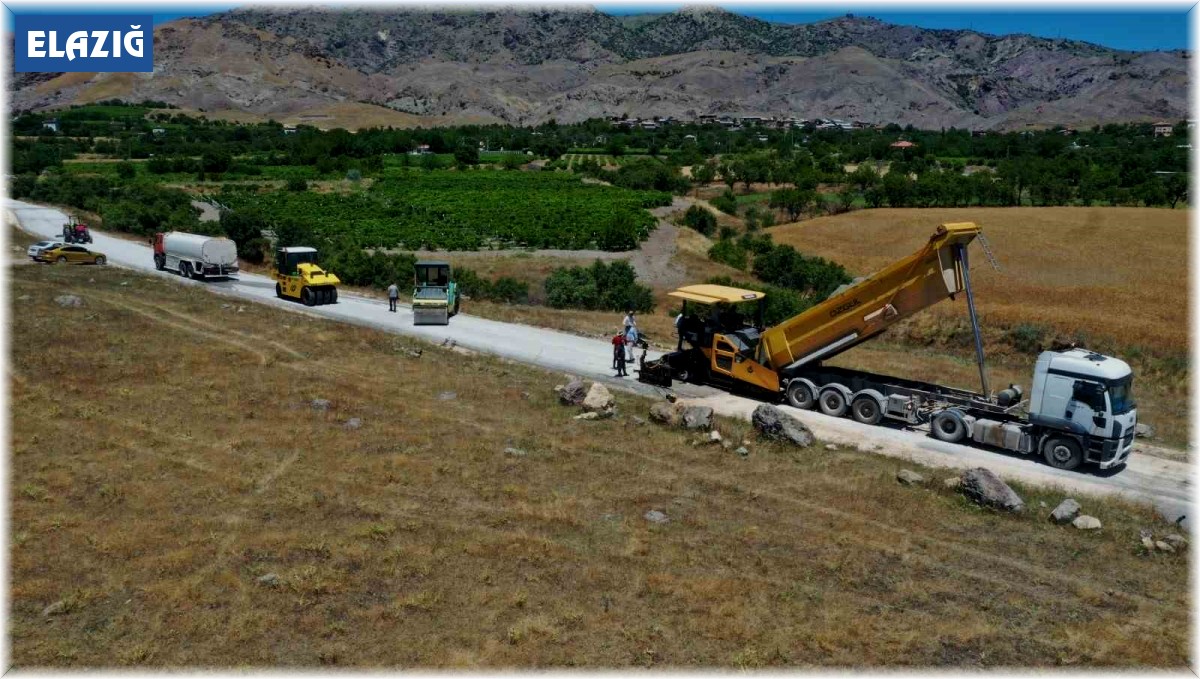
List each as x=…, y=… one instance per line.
x=870, y=306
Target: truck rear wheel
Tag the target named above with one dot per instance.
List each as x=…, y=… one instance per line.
x=307, y=296
x=279, y=290
x=800, y=396
x=1063, y=453
x=160, y=262
x=832, y=402
x=948, y=426
x=866, y=409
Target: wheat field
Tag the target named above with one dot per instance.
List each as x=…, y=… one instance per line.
x=1118, y=275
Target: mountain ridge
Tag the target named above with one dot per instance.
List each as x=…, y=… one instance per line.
x=527, y=65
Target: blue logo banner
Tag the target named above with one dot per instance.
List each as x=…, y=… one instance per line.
x=105, y=43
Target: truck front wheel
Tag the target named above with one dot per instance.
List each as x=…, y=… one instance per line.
x=1063, y=453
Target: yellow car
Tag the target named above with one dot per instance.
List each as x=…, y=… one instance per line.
x=70, y=254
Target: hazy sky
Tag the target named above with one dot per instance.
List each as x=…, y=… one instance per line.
x=1146, y=30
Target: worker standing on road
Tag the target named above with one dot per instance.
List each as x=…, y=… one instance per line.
x=618, y=342
x=630, y=331
x=393, y=295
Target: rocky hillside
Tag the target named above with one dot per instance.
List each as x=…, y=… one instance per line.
x=365, y=67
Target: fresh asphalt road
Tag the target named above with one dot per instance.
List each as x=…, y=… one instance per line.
x=1165, y=483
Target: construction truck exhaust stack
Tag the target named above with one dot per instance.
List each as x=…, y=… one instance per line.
x=1080, y=410
x=298, y=276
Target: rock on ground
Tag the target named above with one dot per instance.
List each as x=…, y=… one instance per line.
x=55, y=608
x=1164, y=547
x=599, y=399
x=777, y=425
x=320, y=404
x=515, y=452
x=68, y=300
x=742, y=451
x=353, y=423
x=697, y=417
x=587, y=416
x=655, y=516
x=1065, y=512
x=681, y=414
x=447, y=396
x=270, y=580
x=714, y=436
x=573, y=393
x=909, y=477
x=1176, y=540
x=952, y=483
x=985, y=488
x=1086, y=522
x=1143, y=430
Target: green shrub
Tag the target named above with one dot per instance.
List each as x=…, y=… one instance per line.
x=785, y=267
x=727, y=251
x=599, y=287
x=1027, y=338
x=700, y=220
x=726, y=202
x=504, y=289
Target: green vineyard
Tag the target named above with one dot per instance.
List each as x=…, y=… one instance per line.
x=453, y=210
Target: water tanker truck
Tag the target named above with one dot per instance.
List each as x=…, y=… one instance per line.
x=1080, y=409
x=194, y=256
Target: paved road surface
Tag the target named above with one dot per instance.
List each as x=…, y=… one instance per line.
x=1165, y=483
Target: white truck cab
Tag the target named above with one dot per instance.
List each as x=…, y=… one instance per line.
x=1086, y=398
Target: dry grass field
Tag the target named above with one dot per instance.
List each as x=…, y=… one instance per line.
x=1118, y=275
x=176, y=501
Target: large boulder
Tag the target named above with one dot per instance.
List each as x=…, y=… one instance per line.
x=598, y=400
x=696, y=417
x=573, y=393
x=777, y=425
x=985, y=488
x=665, y=413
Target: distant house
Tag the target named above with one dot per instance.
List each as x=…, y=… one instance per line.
x=762, y=138
x=158, y=131
x=51, y=125
x=689, y=137
x=1163, y=129
x=649, y=125
x=421, y=150
x=289, y=129
x=902, y=144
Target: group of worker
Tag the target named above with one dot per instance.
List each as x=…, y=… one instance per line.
x=624, y=342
